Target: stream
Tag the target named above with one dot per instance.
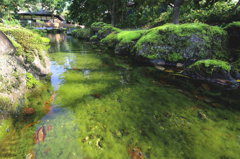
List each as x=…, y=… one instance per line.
x=102, y=106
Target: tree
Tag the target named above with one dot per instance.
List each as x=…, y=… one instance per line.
x=176, y=11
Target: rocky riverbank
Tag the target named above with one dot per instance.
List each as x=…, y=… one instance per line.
x=199, y=51
x=23, y=63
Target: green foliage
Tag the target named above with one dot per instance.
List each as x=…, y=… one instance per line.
x=138, y=14
x=213, y=64
x=31, y=81
x=220, y=12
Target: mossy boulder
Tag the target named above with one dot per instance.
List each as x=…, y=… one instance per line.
x=29, y=57
x=84, y=34
x=212, y=70
x=101, y=30
x=233, y=30
x=185, y=42
x=123, y=41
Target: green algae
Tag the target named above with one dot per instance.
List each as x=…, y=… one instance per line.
x=104, y=106
x=118, y=109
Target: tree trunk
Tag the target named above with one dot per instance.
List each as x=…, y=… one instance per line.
x=176, y=11
x=113, y=13
x=236, y=6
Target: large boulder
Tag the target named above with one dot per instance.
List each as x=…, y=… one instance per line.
x=233, y=30
x=181, y=43
x=6, y=47
x=100, y=30
x=21, y=52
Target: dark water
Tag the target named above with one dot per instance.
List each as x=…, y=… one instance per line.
x=103, y=106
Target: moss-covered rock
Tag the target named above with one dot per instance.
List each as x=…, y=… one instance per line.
x=81, y=33
x=183, y=42
x=212, y=70
x=101, y=30
x=233, y=30
x=29, y=60
x=123, y=42
x=32, y=43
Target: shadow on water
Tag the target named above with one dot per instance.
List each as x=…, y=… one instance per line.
x=107, y=106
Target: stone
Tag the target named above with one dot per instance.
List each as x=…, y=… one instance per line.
x=158, y=62
x=183, y=43
x=135, y=153
x=6, y=46
x=29, y=111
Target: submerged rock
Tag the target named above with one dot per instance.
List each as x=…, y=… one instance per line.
x=40, y=135
x=29, y=111
x=135, y=153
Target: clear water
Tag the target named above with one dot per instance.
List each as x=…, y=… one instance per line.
x=104, y=106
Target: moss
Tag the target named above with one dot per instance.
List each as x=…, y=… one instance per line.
x=94, y=38
x=4, y=127
x=233, y=24
x=180, y=30
x=213, y=63
x=31, y=43
x=123, y=37
x=81, y=33
x=111, y=40
x=32, y=82
x=174, y=57
x=102, y=29
x=19, y=48
x=5, y=104
x=169, y=38
x=128, y=36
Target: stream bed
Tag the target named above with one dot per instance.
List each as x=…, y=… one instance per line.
x=103, y=106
